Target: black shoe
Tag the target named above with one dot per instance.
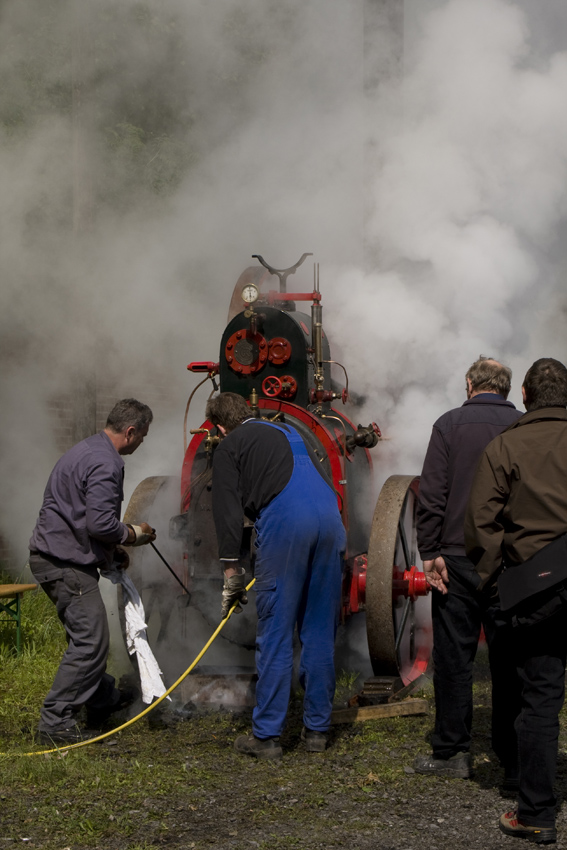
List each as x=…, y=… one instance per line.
x=315, y=742
x=269, y=748
x=510, y=825
x=97, y=717
x=458, y=766
x=72, y=735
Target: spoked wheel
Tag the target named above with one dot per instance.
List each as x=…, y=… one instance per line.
x=398, y=612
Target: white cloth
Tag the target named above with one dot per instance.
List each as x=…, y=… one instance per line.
x=136, y=636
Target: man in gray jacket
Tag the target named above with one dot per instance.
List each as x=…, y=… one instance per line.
x=458, y=609
x=77, y=533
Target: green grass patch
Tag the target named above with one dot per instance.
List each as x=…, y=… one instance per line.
x=186, y=787
x=25, y=679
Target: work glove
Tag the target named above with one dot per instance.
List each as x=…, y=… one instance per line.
x=144, y=534
x=234, y=590
x=121, y=558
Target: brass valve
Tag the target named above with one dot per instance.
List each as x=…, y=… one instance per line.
x=254, y=409
x=210, y=442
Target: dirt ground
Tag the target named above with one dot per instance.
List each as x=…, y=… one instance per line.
x=185, y=787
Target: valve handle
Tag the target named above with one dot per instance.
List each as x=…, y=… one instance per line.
x=271, y=386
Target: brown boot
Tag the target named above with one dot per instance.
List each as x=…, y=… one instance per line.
x=510, y=825
x=268, y=748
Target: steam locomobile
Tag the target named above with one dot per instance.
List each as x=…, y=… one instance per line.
x=278, y=358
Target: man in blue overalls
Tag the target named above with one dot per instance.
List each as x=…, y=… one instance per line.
x=266, y=471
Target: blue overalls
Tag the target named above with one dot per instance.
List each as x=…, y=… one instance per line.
x=300, y=546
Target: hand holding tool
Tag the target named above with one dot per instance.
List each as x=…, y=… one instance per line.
x=144, y=534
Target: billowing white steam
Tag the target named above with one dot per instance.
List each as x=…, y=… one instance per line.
x=470, y=206
x=469, y=202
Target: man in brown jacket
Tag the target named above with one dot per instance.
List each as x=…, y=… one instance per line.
x=517, y=513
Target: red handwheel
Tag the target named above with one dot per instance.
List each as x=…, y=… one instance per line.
x=271, y=386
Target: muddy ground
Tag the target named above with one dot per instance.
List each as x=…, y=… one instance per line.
x=185, y=787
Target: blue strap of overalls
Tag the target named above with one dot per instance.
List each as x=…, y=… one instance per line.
x=294, y=438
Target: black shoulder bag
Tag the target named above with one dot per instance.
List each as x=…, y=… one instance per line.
x=536, y=590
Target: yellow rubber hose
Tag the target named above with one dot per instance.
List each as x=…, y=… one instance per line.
x=147, y=710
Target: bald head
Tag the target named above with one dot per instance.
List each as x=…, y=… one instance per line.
x=487, y=375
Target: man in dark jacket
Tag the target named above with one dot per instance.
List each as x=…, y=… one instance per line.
x=264, y=471
x=458, y=609
x=517, y=519
x=77, y=533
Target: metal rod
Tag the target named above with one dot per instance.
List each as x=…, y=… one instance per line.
x=403, y=539
x=407, y=608
x=174, y=574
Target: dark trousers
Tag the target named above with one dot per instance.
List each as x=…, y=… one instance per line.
x=541, y=653
x=457, y=621
x=81, y=678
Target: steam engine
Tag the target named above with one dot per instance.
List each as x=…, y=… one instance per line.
x=274, y=352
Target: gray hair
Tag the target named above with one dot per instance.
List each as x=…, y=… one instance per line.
x=127, y=413
x=488, y=375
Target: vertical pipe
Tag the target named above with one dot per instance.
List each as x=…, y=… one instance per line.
x=317, y=332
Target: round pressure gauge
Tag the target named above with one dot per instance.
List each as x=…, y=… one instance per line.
x=250, y=293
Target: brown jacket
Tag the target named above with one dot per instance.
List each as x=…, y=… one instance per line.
x=518, y=501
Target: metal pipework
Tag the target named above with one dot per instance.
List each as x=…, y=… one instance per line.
x=340, y=421
x=317, y=332
x=253, y=399
x=251, y=314
x=210, y=442
x=366, y=438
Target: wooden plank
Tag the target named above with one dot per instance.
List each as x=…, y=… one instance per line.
x=375, y=712
x=10, y=590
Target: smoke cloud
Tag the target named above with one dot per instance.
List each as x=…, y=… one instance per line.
x=148, y=149
x=470, y=204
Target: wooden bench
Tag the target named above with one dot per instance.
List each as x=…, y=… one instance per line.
x=11, y=608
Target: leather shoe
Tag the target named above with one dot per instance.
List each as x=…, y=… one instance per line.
x=458, y=766
x=260, y=748
x=510, y=825
x=72, y=735
x=315, y=742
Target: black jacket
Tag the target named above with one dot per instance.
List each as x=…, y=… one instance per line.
x=457, y=442
x=251, y=466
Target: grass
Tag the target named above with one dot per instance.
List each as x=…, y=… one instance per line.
x=25, y=680
x=185, y=787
